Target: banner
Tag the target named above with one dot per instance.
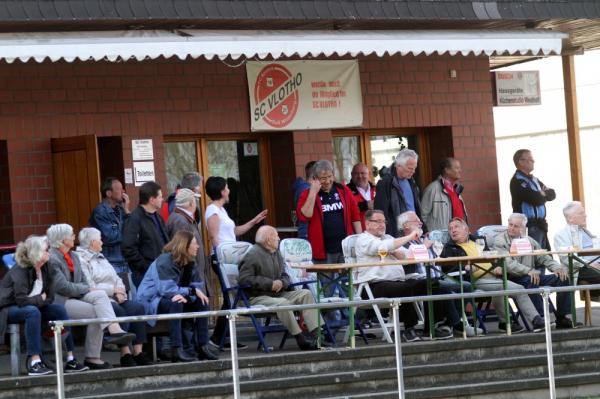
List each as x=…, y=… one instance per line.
x=299, y=95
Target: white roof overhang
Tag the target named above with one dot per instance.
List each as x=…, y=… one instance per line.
x=151, y=44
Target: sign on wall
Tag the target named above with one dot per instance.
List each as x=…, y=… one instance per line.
x=143, y=172
x=141, y=150
x=517, y=88
x=297, y=95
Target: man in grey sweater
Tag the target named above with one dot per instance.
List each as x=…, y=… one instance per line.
x=263, y=270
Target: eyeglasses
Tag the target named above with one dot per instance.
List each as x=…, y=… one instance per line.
x=378, y=221
x=325, y=178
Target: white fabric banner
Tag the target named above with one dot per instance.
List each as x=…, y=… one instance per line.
x=299, y=95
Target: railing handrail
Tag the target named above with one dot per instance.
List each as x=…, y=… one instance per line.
x=385, y=302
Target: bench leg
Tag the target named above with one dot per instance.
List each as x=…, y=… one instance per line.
x=15, y=350
x=588, y=308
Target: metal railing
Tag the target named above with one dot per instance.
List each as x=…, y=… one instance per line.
x=393, y=303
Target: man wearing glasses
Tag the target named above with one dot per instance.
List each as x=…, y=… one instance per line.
x=529, y=196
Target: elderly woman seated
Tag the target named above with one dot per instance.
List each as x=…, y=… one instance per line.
x=81, y=300
x=26, y=296
x=101, y=275
x=171, y=285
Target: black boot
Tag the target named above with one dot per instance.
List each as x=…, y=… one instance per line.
x=305, y=343
x=179, y=355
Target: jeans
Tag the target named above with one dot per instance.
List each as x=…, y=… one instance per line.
x=563, y=299
x=131, y=308
x=200, y=324
x=33, y=318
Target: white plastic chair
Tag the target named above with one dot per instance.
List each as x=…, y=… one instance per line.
x=348, y=248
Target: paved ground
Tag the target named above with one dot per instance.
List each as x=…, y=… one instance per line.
x=247, y=337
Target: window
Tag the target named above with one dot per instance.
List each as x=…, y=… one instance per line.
x=377, y=149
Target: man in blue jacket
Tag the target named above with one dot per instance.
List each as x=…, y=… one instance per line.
x=529, y=196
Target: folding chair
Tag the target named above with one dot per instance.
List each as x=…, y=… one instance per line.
x=348, y=248
x=229, y=256
x=298, y=252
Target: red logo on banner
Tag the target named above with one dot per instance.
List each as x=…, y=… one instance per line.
x=276, y=95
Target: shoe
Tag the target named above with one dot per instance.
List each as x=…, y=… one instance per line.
x=207, y=352
x=73, y=366
x=38, y=368
x=409, y=335
x=439, y=333
x=127, y=360
x=179, y=355
x=304, y=343
x=538, y=324
x=227, y=345
x=97, y=366
x=471, y=332
x=142, y=360
x=565, y=322
x=515, y=327
x=122, y=338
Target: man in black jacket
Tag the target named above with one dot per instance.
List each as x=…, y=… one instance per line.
x=397, y=192
x=144, y=233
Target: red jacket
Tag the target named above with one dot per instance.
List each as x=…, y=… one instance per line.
x=315, y=223
x=361, y=202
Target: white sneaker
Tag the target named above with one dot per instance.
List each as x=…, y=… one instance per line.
x=470, y=331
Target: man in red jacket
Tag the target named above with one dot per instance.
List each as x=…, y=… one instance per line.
x=362, y=189
x=331, y=213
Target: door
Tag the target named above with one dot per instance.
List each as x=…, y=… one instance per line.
x=76, y=179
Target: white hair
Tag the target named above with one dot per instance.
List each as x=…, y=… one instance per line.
x=404, y=155
x=30, y=251
x=87, y=235
x=403, y=218
x=518, y=216
x=571, y=207
x=57, y=233
x=322, y=165
x=184, y=197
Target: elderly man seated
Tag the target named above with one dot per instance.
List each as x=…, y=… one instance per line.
x=390, y=281
x=575, y=234
x=410, y=222
x=263, y=269
x=488, y=278
x=524, y=270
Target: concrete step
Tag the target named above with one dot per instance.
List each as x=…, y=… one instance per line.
x=429, y=366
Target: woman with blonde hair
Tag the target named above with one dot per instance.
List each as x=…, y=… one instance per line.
x=26, y=296
x=172, y=285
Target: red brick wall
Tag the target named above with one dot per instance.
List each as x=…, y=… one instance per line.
x=156, y=98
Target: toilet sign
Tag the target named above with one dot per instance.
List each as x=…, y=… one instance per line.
x=143, y=172
x=251, y=149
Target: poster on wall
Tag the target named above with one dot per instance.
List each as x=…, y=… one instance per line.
x=298, y=95
x=514, y=88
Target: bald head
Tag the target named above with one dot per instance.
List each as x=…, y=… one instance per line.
x=360, y=175
x=268, y=237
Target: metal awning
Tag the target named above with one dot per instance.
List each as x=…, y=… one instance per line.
x=151, y=44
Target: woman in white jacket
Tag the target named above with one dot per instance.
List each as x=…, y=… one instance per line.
x=101, y=275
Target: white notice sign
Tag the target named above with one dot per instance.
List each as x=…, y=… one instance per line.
x=518, y=88
x=143, y=172
x=128, y=176
x=142, y=150
x=298, y=95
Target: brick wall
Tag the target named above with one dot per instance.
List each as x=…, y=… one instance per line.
x=170, y=97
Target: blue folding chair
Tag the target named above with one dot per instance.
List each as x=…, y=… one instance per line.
x=229, y=256
x=9, y=260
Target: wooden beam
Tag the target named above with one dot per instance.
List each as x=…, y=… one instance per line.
x=568, y=63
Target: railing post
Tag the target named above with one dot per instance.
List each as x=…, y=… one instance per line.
x=60, y=379
x=234, y=356
x=397, y=344
x=545, y=296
